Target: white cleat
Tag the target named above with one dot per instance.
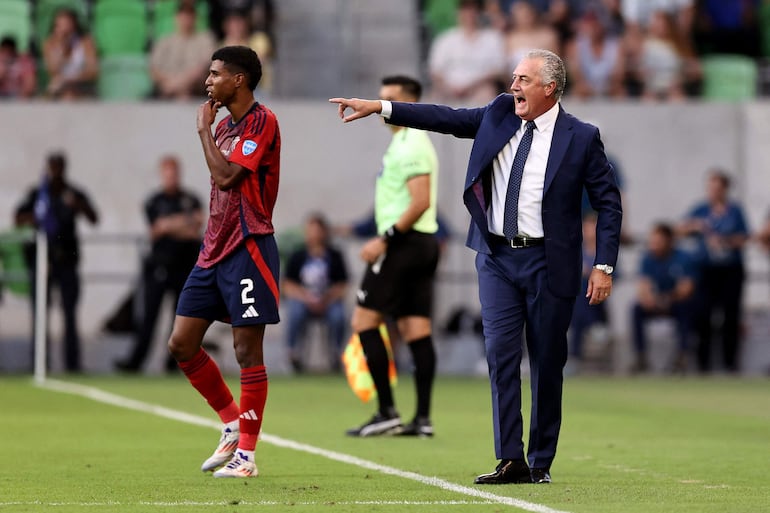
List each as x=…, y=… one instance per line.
x=239, y=466
x=228, y=443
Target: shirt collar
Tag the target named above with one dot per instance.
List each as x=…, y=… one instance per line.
x=546, y=120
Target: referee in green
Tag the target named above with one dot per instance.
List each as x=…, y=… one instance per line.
x=402, y=261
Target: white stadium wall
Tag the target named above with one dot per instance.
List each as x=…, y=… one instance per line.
x=113, y=150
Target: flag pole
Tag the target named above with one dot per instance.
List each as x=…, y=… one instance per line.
x=41, y=304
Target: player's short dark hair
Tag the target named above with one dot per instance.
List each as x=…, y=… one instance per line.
x=241, y=59
x=664, y=229
x=409, y=85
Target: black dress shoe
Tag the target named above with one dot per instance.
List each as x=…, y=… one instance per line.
x=541, y=476
x=507, y=472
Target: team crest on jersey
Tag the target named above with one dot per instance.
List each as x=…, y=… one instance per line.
x=248, y=147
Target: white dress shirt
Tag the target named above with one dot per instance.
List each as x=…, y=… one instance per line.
x=532, y=182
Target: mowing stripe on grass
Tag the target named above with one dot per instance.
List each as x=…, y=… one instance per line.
x=168, y=504
x=161, y=411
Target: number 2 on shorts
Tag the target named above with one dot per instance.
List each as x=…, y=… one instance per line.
x=248, y=286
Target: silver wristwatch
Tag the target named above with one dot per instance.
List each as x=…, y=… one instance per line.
x=605, y=268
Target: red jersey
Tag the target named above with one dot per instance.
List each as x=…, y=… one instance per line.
x=254, y=142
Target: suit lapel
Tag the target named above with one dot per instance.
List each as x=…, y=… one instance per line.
x=562, y=135
x=489, y=142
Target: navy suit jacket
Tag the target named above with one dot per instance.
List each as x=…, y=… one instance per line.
x=576, y=160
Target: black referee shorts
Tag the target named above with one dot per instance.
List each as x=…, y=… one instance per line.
x=401, y=284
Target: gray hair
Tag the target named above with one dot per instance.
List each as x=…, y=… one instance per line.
x=552, y=69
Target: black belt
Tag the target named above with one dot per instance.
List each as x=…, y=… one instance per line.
x=517, y=242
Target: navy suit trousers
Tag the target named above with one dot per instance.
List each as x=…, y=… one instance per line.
x=514, y=294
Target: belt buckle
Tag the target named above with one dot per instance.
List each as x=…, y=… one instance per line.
x=518, y=246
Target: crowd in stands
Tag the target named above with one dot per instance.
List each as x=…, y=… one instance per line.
x=648, y=49
x=124, y=49
x=692, y=272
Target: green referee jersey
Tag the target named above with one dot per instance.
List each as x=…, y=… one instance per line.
x=410, y=154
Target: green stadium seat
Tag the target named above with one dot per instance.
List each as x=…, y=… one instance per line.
x=164, y=12
x=45, y=11
x=120, y=27
x=16, y=21
x=729, y=77
x=124, y=78
x=440, y=15
x=13, y=266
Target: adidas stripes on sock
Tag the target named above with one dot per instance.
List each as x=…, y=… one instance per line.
x=253, y=399
x=377, y=361
x=424, y=357
x=204, y=375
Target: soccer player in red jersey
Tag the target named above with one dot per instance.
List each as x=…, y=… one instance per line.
x=236, y=277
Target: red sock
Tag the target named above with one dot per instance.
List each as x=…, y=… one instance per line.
x=204, y=375
x=253, y=398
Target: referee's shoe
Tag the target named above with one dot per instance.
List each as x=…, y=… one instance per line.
x=381, y=424
x=420, y=426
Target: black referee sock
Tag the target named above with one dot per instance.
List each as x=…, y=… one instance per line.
x=377, y=361
x=424, y=357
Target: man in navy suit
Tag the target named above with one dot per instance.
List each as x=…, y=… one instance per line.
x=528, y=167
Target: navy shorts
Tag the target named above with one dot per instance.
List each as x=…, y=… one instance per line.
x=241, y=290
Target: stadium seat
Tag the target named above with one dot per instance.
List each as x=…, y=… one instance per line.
x=16, y=21
x=729, y=77
x=120, y=27
x=124, y=77
x=46, y=9
x=163, y=14
x=440, y=15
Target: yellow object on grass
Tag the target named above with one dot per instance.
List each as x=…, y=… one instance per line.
x=357, y=371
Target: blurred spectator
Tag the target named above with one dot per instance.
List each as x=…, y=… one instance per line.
x=259, y=13
x=238, y=32
x=175, y=218
x=54, y=206
x=18, y=75
x=70, y=58
x=180, y=61
x=720, y=228
x=314, y=285
x=764, y=234
x=639, y=13
x=594, y=59
x=728, y=27
x=666, y=286
x=584, y=315
x=527, y=31
x=467, y=63
x=663, y=60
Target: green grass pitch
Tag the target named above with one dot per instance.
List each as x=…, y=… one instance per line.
x=627, y=445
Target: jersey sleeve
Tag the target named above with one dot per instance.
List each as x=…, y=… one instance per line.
x=645, y=268
x=414, y=163
x=257, y=138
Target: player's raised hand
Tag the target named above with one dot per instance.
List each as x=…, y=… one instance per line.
x=207, y=113
x=360, y=108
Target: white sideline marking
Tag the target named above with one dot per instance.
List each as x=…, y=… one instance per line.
x=161, y=411
x=248, y=503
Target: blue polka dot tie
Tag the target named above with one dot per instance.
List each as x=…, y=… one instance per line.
x=511, y=217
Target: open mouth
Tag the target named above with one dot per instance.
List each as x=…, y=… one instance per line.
x=520, y=100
